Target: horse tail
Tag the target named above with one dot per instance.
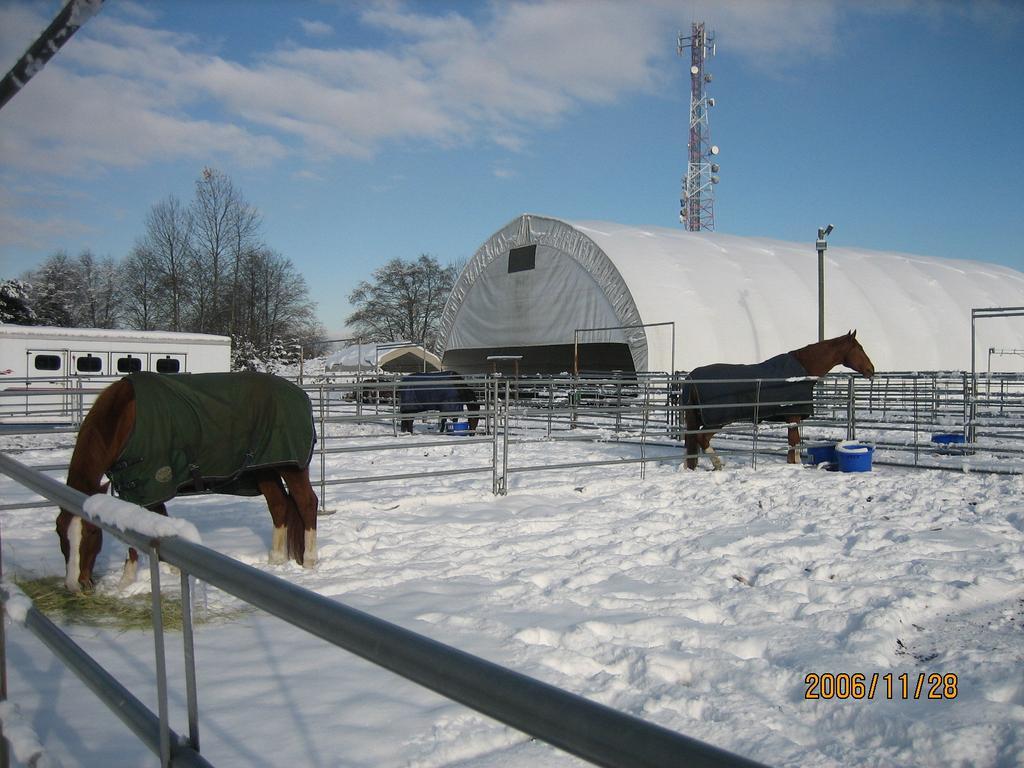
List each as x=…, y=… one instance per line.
x=689, y=399
x=296, y=532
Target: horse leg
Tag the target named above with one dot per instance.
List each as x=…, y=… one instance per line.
x=696, y=439
x=69, y=530
x=269, y=484
x=80, y=540
x=697, y=442
x=704, y=441
x=793, y=457
x=303, y=503
x=131, y=561
x=690, y=437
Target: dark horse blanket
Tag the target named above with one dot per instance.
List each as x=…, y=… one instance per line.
x=448, y=392
x=208, y=432
x=725, y=393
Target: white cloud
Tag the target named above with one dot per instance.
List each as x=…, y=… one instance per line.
x=316, y=28
x=126, y=92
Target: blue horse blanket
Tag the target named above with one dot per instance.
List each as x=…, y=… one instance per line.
x=208, y=432
x=447, y=392
x=724, y=393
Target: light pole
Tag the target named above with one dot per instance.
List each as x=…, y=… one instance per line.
x=821, y=245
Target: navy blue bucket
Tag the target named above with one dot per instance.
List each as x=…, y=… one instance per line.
x=854, y=457
x=821, y=453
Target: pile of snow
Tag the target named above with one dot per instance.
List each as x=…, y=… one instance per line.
x=699, y=601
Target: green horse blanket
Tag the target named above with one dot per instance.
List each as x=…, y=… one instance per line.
x=208, y=432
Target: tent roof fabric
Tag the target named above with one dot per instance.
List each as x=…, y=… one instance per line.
x=354, y=357
x=414, y=350
x=730, y=298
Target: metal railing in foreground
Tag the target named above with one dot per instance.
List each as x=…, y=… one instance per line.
x=583, y=728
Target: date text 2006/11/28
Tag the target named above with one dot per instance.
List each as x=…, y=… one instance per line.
x=859, y=686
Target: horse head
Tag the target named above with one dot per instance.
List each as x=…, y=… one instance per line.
x=80, y=542
x=855, y=357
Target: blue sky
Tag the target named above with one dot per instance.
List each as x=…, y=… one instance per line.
x=368, y=131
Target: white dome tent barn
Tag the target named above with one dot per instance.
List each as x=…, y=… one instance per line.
x=538, y=284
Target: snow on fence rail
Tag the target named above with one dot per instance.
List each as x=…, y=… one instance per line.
x=583, y=728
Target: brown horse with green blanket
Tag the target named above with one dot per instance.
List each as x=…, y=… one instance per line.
x=158, y=436
x=778, y=389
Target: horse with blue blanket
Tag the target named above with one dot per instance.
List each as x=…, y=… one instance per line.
x=778, y=389
x=443, y=391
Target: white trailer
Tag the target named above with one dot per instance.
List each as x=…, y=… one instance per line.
x=47, y=372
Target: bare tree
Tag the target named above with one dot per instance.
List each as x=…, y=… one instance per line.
x=98, y=302
x=404, y=301
x=199, y=267
x=167, y=245
x=225, y=225
x=141, y=280
x=245, y=226
x=277, y=303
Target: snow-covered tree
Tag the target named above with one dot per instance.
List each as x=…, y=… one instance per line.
x=56, y=291
x=15, y=308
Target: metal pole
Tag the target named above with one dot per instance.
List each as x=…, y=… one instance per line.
x=323, y=459
x=551, y=404
x=5, y=758
x=821, y=290
x=492, y=406
x=757, y=409
x=504, y=444
x=974, y=380
x=161, y=659
x=673, y=363
x=851, y=424
x=71, y=17
x=917, y=450
x=188, y=641
x=821, y=244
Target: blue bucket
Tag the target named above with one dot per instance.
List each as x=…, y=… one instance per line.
x=821, y=453
x=460, y=427
x=853, y=456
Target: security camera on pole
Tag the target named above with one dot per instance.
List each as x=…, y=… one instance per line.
x=821, y=245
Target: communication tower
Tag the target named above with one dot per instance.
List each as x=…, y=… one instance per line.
x=697, y=201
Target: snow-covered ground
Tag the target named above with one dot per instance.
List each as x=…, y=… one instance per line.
x=699, y=601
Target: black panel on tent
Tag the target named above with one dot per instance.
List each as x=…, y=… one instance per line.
x=522, y=259
x=548, y=360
